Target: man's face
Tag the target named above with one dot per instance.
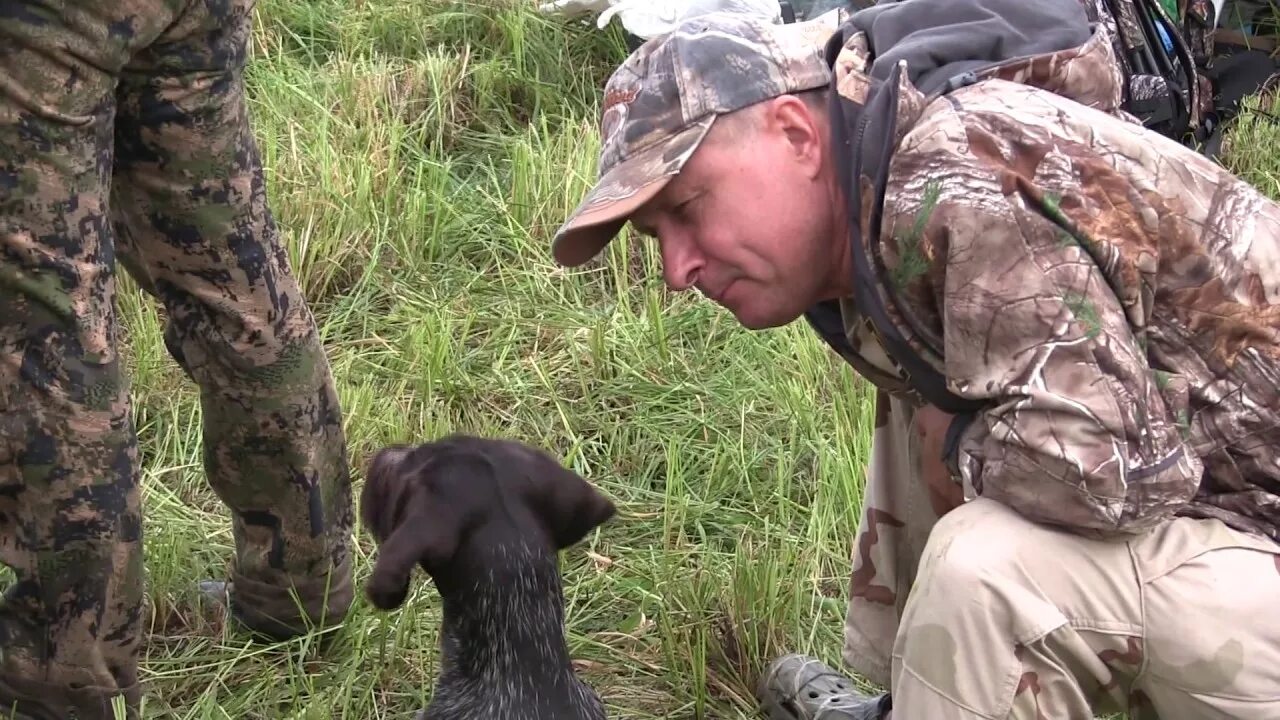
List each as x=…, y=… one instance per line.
x=751, y=218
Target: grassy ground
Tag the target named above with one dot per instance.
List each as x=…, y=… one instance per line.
x=420, y=154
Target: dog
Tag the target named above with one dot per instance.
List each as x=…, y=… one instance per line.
x=485, y=519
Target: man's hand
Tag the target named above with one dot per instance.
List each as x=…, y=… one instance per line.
x=944, y=493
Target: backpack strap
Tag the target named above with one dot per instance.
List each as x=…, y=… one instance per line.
x=1162, y=57
x=788, y=12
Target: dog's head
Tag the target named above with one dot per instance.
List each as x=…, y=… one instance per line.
x=421, y=503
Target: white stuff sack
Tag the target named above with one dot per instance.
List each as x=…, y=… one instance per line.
x=648, y=18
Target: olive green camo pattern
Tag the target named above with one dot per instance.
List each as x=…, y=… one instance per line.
x=124, y=135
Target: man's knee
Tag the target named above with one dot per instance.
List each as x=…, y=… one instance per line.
x=977, y=542
x=258, y=345
x=987, y=574
x=984, y=589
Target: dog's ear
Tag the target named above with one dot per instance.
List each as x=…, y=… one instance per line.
x=382, y=500
x=570, y=506
x=422, y=526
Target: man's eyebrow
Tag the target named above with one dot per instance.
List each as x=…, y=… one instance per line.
x=657, y=204
x=664, y=202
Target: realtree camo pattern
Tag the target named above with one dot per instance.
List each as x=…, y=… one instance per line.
x=1114, y=296
x=1087, y=74
x=187, y=216
x=1199, y=23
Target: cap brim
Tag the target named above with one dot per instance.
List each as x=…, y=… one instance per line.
x=623, y=190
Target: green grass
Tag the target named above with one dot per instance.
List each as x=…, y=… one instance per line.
x=420, y=154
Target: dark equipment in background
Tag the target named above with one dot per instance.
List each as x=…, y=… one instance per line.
x=1185, y=76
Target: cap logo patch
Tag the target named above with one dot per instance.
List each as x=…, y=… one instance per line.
x=614, y=115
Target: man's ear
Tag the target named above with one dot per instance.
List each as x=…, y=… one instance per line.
x=570, y=506
x=798, y=122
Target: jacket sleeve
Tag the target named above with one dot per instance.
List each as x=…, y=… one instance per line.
x=1078, y=430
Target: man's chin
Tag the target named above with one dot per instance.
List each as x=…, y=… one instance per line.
x=749, y=319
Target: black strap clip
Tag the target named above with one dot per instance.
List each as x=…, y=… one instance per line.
x=788, y=12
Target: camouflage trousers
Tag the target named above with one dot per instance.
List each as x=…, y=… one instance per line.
x=982, y=614
x=124, y=136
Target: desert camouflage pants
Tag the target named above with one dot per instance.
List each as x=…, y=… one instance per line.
x=124, y=136
x=984, y=615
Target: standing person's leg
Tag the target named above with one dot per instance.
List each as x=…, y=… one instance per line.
x=195, y=229
x=70, y=519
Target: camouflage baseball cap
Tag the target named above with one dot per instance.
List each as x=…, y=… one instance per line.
x=661, y=102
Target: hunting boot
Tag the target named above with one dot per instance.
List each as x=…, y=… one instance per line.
x=217, y=594
x=797, y=687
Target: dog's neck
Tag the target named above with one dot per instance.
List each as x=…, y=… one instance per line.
x=502, y=642
x=503, y=630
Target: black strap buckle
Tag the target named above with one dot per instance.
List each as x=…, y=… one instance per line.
x=788, y=12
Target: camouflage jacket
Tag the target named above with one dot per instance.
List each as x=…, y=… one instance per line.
x=1099, y=305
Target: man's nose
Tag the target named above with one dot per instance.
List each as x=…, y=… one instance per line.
x=681, y=262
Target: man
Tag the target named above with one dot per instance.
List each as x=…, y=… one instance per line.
x=123, y=134
x=1074, y=324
